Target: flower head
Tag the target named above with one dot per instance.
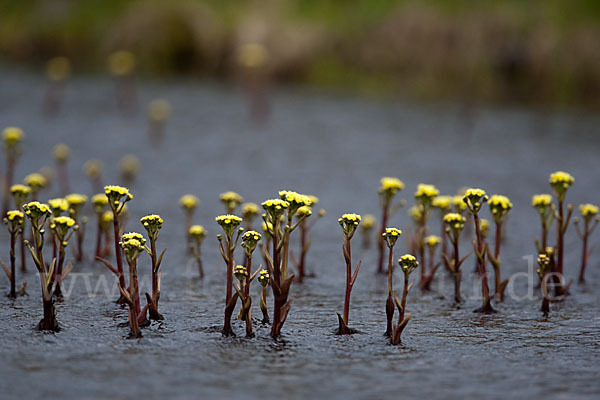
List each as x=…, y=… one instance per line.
x=35, y=181
x=275, y=207
x=484, y=227
x=416, y=213
x=349, y=223
x=454, y=221
x=76, y=202
x=408, y=263
x=432, y=241
x=499, y=207
x=474, y=199
x=250, y=211
x=153, y=223
x=240, y=272
x=58, y=206
x=93, y=169
x=442, y=203
x=99, y=201
x=61, y=153
x=229, y=223
x=295, y=200
x=588, y=211
x=250, y=239
x=12, y=136
x=458, y=203
x=133, y=235
x=107, y=221
x=14, y=220
x=121, y=63
x=368, y=222
x=267, y=227
x=197, y=231
x=425, y=194
x=560, y=182
x=36, y=211
x=541, y=202
x=543, y=261
x=20, y=193
x=159, y=110
x=231, y=200
x=304, y=211
x=130, y=166
x=132, y=244
x=263, y=277
x=391, y=235
x=189, y=202
x=61, y=226
x=390, y=186
x=117, y=197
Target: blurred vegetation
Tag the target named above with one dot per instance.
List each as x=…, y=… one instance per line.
x=541, y=51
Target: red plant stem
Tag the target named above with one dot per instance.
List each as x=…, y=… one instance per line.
x=497, y=277
x=133, y=294
x=277, y=303
x=199, y=260
x=13, y=292
x=560, y=249
x=380, y=241
x=348, y=280
x=99, y=237
x=8, y=180
x=421, y=244
x=444, y=237
x=249, y=270
x=485, y=290
x=403, y=301
x=118, y=255
x=457, y=273
x=154, y=273
x=584, y=253
x=302, y=251
x=58, y=271
x=22, y=245
x=230, y=262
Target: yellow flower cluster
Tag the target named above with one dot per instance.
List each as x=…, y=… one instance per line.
x=275, y=207
x=263, y=277
x=499, y=207
x=426, y=193
x=416, y=212
x=433, y=240
x=391, y=235
x=442, y=202
x=349, y=223
x=474, y=199
x=541, y=201
x=588, y=210
x=240, y=272
x=36, y=210
x=61, y=152
x=76, y=199
x=133, y=236
x=20, y=192
x=99, y=201
x=117, y=196
x=458, y=203
x=121, y=63
x=231, y=200
x=35, y=181
x=12, y=136
x=64, y=221
x=250, y=210
x=107, y=217
x=295, y=200
x=228, y=219
x=189, y=201
x=390, y=185
x=14, y=221
x=153, y=223
x=251, y=237
x=454, y=221
x=408, y=263
x=304, y=211
x=12, y=214
x=59, y=205
x=93, y=169
x=197, y=231
x=132, y=243
x=561, y=181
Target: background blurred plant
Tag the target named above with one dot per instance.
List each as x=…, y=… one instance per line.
x=303, y=214
x=424, y=197
x=231, y=227
x=387, y=190
x=197, y=234
x=153, y=224
x=454, y=223
x=62, y=153
x=58, y=70
x=589, y=214
x=188, y=203
x=12, y=137
x=499, y=207
x=14, y=222
x=21, y=195
x=76, y=203
x=560, y=182
x=390, y=236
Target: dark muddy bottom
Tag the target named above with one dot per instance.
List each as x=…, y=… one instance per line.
x=335, y=148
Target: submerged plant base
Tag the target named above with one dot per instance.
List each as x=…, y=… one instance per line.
x=134, y=336
x=48, y=326
x=343, y=329
x=486, y=308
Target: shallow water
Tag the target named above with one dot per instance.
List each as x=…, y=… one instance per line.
x=336, y=148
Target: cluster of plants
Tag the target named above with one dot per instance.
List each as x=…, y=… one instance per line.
x=45, y=229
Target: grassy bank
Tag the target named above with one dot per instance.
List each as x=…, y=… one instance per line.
x=506, y=50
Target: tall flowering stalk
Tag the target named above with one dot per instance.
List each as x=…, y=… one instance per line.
x=387, y=190
x=14, y=222
x=454, y=224
x=349, y=224
x=36, y=182
x=231, y=201
x=499, y=207
x=231, y=227
x=93, y=170
x=305, y=240
x=62, y=228
x=543, y=205
x=543, y=262
x=188, y=203
x=424, y=197
x=61, y=156
x=474, y=199
x=132, y=245
x=366, y=227
x=249, y=213
x=76, y=203
x=443, y=205
x=12, y=138
x=589, y=214
x=38, y=213
x=153, y=224
x=263, y=279
x=390, y=236
x=408, y=263
x=245, y=276
x=197, y=234
x=21, y=195
x=99, y=201
x=121, y=65
x=278, y=212
x=560, y=182
x=117, y=197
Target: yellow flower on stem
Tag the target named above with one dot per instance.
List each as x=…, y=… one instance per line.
x=152, y=223
x=229, y=223
x=12, y=136
x=391, y=235
x=197, y=231
x=425, y=194
x=189, y=202
x=474, y=199
x=349, y=223
x=499, y=207
x=231, y=200
x=408, y=263
x=61, y=152
x=35, y=181
x=560, y=182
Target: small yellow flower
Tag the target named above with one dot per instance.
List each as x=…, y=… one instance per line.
x=390, y=185
x=93, y=169
x=391, y=235
x=304, y=211
x=61, y=152
x=133, y=236
x=408, y=263
x=426, y=193
x=189, y=202
x=159, y=110
x=58, y=206
x=35, y=211
x=474, y=199
x=541, y=201
x=231, y=200
x=229, y=223
x=12, y=136
x=295, y=200
x=442, y=202
x=349, y=223
x=275, y=207
x=76, y=199
x=99, y=201
x=35, y=181
x=560, y=182
x=416, y=213
x=433, y=240
x=240, y=272
x=368, y=222
x=121, y=63
x=499, y=207
x=20, y=193
x=63, y=221
x=197, y=231
x=250, y=210
x=458, y=203
x=153, y=223
x=14, y=221
x=588, y=211
x=263, y=277
x=130, y=166
x=58, y=68
x=484, y=226
x=107, y=217
x=14, y=215
x=117, y=196
x=455, y=221
x=132, y=245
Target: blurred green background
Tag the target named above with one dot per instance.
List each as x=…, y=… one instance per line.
x=526, y=51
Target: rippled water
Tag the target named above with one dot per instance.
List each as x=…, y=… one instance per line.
x=336, y=148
